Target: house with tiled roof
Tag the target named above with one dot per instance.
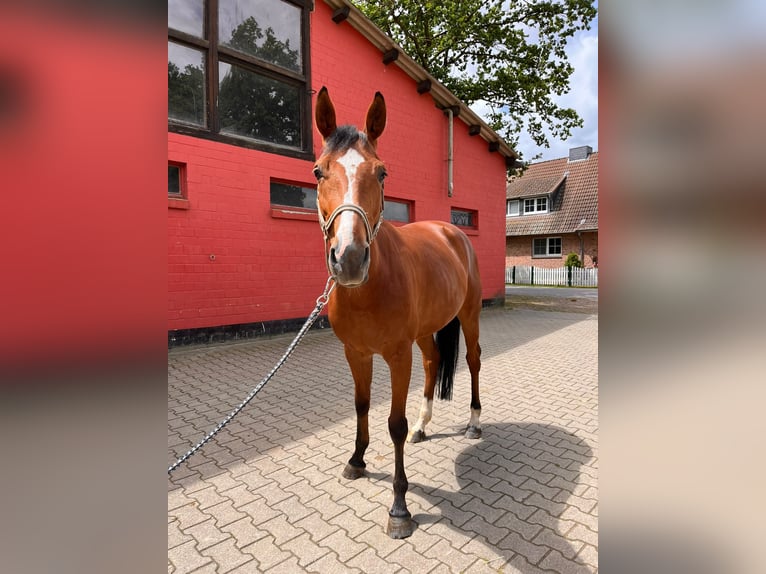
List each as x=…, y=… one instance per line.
x=552, y=211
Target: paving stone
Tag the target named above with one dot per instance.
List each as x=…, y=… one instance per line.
x=558, y=563
x=305, y=549
x=330, y=563
x=227, y=556
x=188, y=515
x=175, y=536
x=588, y=555
x=531, y=552
x=568, y=548
x=457, y=560
x=185, y=558
x=243, y=531
x=280, y=529
x=206, y=534
x=370, y=563
x=409, y=558
x=580, y=532
x=317, y=527
x=258, y=511
x=266, y=553
x=224, y=513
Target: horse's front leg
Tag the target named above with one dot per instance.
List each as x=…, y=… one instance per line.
x=400, y=365
x=361, y=370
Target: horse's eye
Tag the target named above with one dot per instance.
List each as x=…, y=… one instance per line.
x=382, y=175
x=317, y=172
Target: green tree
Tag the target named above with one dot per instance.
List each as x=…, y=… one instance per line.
x=509, y=53
x=573, y=260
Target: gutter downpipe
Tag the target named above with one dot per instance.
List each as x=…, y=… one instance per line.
x=450, y=160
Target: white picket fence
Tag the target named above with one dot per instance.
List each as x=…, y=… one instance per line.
x=559, y=276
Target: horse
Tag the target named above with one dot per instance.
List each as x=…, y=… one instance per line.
x=394, y=286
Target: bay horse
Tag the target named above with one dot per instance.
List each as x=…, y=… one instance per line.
x=395, y=286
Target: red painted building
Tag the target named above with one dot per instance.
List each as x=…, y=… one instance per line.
x=244, y=245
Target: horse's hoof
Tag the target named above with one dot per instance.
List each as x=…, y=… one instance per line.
x=352, y=472
x=473, y=432
x=418, y=436
x=399, y=526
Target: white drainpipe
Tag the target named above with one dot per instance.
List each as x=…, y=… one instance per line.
x=450, y=161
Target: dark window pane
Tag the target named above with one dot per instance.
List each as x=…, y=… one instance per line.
x=293, y=195
x=187, y=16
x=396, y=211
x=542, y=203
x=539, y=246
x=267, y=29
x=174, y=180
x=186, y=84
x=463, y=218
x=529, y=205
x=256, y=107
x=554, y=246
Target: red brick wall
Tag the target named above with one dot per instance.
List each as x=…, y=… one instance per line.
x=266, y=268
x=518, y=250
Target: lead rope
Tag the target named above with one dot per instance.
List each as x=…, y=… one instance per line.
x=321, y=302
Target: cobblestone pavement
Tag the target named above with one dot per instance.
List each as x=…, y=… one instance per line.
x=266, y=494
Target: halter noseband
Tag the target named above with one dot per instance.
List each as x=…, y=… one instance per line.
x=371, y=231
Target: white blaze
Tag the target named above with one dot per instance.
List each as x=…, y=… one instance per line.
x=350, y=162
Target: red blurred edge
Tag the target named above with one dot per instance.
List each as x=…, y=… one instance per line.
x=83, y=149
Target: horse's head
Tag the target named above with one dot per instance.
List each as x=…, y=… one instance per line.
x=350, y=189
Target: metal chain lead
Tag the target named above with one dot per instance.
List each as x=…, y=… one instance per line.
x=321, y=302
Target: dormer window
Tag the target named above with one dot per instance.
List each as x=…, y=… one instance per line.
x=536, y=205
x=512, y=207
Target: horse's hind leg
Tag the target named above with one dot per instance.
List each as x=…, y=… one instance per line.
x=469, y=319
x=361, y=369
x=431, y=365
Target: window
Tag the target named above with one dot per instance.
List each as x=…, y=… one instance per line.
x=546, y=247
x=512, y=207
x=396, y=210
x=238, y=72
x=536, y=205
x=290, y=195
x=464, y=218
x=174, y=181
x=177, y=197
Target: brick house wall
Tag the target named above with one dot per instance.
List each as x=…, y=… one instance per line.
x=233, y=260
x=518, y=250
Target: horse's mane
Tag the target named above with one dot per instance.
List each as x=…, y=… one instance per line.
x=344, y=138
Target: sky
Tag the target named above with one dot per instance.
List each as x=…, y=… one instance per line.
x=582, y=51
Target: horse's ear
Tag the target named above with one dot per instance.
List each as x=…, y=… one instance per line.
x=376, y=118
x=325, y=114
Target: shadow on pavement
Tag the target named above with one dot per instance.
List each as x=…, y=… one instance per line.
x=515, y=486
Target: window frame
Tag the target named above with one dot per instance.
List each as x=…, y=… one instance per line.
x=508, y=203
x=536, y=205
x=215, y=53
x=548, y=254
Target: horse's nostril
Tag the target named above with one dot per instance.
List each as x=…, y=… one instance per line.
x=366, y=255
x=333, y=258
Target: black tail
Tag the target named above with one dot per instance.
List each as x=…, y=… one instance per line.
x=448, y=343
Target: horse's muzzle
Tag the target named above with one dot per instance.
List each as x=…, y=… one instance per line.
x=349, y=264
